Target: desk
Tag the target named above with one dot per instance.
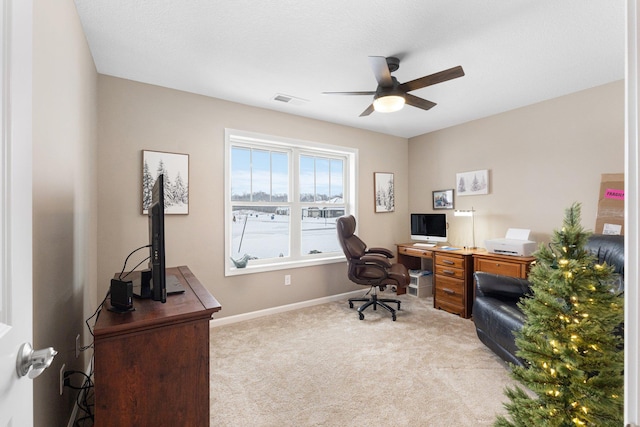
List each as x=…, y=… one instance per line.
x=152, y=364
x=452, y=275
x=453, y=289
x=506, y=265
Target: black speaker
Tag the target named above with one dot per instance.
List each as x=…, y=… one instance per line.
x=121, y=296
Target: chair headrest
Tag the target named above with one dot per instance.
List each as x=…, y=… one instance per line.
x=608, y=248
x=346, y=226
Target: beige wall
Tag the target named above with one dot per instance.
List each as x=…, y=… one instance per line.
x=540, y=158
x=134, y=116
x=64, y=199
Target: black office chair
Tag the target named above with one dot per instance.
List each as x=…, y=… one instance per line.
x=370, y=267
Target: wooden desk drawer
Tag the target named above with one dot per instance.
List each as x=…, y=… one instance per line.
x=449, y=261
x=451, y=307
x=450, y=290
x=414, y=251
x=448, y=271
x=498, y=267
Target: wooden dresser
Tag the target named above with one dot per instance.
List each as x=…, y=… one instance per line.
x=152, y=364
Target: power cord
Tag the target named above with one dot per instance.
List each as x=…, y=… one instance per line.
x=85, y=397
x=120, y=277
x=86, y=394
x=96, y=313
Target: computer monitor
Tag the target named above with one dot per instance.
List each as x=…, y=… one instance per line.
x=429, y=227
x=156, y=242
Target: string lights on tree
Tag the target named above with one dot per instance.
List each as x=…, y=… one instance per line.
x=571, y=340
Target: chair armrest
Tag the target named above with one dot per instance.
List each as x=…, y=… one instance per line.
x=382, y=251
x=503, y=287
x=375, y=259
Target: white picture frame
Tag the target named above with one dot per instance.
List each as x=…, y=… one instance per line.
x=383, y=192
x=472, y=183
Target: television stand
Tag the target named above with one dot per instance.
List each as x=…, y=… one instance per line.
x=152, y=364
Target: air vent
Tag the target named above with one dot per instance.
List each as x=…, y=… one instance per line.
x=288, y=99
x=282, y=98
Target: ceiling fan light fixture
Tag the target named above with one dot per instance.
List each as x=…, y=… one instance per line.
x=388, y=103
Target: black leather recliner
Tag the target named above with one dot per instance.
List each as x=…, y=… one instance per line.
x=495, y=311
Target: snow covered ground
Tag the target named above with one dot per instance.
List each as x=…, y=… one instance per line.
x=267, y=235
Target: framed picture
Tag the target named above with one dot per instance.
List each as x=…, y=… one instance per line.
x=472, y=183
x=443, y=199
x=175, y=168
x=383, y=192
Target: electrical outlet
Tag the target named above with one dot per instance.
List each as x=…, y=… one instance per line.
x=77, y=346
x=62, y=379
x=287, y=279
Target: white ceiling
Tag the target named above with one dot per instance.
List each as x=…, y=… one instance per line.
x=514, y=52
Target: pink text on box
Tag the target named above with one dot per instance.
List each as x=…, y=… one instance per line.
x=614, y=194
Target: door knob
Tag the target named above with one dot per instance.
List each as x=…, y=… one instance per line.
x=33, y=361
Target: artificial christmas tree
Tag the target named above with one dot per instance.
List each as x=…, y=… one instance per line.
x=571, y=340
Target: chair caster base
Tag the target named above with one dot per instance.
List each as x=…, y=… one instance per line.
x=375, y=302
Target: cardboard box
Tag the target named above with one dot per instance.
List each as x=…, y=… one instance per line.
x=610, y=218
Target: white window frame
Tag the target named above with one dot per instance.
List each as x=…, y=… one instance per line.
x=295, y=147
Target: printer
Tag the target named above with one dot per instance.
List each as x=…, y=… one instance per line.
x=516, y=243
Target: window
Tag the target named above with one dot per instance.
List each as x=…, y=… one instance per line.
x=282, y=200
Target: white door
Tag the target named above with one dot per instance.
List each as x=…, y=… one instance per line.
x=16, y=393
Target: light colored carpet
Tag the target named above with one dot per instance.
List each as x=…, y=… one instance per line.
x=322, y=366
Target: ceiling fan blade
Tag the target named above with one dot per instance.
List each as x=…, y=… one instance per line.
x=432, y=79
x=348, y=93
x=418, y=102
x=381, y=70
x=368, y=111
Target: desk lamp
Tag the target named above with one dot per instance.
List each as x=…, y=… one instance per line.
x=471, y=213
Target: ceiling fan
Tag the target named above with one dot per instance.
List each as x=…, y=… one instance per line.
x=391, y=95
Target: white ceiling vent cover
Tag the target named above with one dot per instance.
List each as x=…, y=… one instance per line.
x=288, y=99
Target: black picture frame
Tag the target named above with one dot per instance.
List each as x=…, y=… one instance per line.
x=442, y=199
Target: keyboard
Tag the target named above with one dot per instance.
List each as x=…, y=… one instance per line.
x=425, y=245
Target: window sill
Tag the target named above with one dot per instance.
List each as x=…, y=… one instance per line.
x=261, y=268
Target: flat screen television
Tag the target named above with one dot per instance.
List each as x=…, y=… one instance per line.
x=429, y=227
x=156, y=242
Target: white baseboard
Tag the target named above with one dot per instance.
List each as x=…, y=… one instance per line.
x=281, y=309
x=74, y=413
